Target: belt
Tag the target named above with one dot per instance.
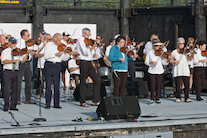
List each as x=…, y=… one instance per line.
x=85, y=61
x=53, y=62
x=10, y=70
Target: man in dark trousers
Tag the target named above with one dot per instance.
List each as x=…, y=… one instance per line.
x=2, y=42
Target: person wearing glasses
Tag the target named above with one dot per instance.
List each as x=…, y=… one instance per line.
x=24, y=67
x=41, y=60
x=10, y=75
x=86, y=69
x=181, y=69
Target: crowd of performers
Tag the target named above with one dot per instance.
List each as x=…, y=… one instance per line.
x=82, y=57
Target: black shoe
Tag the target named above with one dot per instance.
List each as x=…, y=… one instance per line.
x=14, y=109
x=199, y=99
x=59, y=107
x=5, y=110
x=47, y=107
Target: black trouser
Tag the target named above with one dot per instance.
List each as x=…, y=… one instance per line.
x=131, y=68
x=39, y=79
x=177, y=85
x=1, y=76
x=155, y=83
x=11, y=79
x=120, y=84
x=24, y=70
x=52, y=71
x=87, y=69
x=199, y=76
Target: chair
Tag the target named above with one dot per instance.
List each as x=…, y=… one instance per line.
x=104, y=75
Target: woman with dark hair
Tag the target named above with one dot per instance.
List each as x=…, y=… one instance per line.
x=199, y=69
x=119, y=63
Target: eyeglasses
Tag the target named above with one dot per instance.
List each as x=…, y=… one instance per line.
x=88, y=34
x=50, y=39
x=28, y=35
x=181, y=43
x=14, y=43
x=98, y=38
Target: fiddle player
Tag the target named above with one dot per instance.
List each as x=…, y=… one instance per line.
x=52, y=69
x=119, y=62
x=2, y=42
x=10, y=75
x=199, y=61
x=86, y=68
x=181, y=69
x=101, y=47
x=155, y=71
x=44, y=38
x=24, y=68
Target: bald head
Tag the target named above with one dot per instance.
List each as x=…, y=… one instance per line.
x=57, y=38
x=2, y=39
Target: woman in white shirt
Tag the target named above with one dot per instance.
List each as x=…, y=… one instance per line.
x=181, y=69
x=199, y=69
x=155, y=71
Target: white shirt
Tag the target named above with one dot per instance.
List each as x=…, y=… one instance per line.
x=41, y=60
x=108, y=48
x=51, y=50
x=158, y=69
x=85, y=53
x=97, y=51
x=182, y=69
x=198, y=57
x=6, y=55
x=72, y=64
x=21, y=43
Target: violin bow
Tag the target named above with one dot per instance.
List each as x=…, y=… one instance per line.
x=72, y=36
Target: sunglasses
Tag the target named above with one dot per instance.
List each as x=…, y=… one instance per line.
x=98, y=38
x=14, y=43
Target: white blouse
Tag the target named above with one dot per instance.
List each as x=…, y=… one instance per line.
x=198, y=57
x=158, y=69
x=182, y=69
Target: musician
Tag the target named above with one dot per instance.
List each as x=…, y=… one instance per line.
x=24, y=68
x=111, y=43
x=41, y=60
x=2, y=41
x=86, y=68
x=181, y=69
x=119, y=62
x=10, y=75
x=199, y=69
x=101, y=47
x=155, y=71
x=64, y=63
x=149, y=45
x=74, y=68
x=53, y=68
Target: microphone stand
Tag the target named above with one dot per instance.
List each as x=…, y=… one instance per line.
x=40, y=119
x=17, y=123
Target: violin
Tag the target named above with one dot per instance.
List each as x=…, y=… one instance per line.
x=125, y=50
x=63, y=47
x=159, y=52
x=181, y=51
x=31, y=42
x=89, y=42
x=204, y=53
x=4, y=46
x=71, y=41
x=16, y=52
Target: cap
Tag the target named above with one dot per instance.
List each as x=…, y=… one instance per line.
x=12, y=40
x=42, y=32
x=156, y=42
x=116, y=36
x=66, y=34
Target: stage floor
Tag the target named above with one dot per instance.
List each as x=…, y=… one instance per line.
x=169, y=113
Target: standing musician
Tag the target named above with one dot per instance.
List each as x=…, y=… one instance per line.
x=155, y=70
x=86, y=68
x=52, y=69
x=102, y=47
x=108, y=48
x=41, y=60
x=64, y=64
x=24, y=68
x=10, y=75
x=2, y=42
x=119, y=62
x=199, y=61
x=181, y=69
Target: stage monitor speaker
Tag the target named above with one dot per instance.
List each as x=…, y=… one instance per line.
x=125, y=107
x=132, y=88
x=89, y=91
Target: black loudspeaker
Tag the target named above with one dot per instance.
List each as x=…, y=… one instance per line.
x=142, y=88
x=89, y=91
x=132, y=88
x=125, y=107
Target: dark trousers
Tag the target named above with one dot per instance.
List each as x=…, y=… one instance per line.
x=131, y=69
x=87, y=69
x=11, y=79
x=1, y=77
x=177, y=86
x=24, y=70
x=199, y=76
x=39, y=79
x=120, y=84
x=52, y=72
x=155, y=83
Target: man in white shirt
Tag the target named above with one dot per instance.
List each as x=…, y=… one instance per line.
x=24, y=68
x=2, y=41
x=148, y=45
x=111, y=42
x=86, y=68
x=52, y=69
